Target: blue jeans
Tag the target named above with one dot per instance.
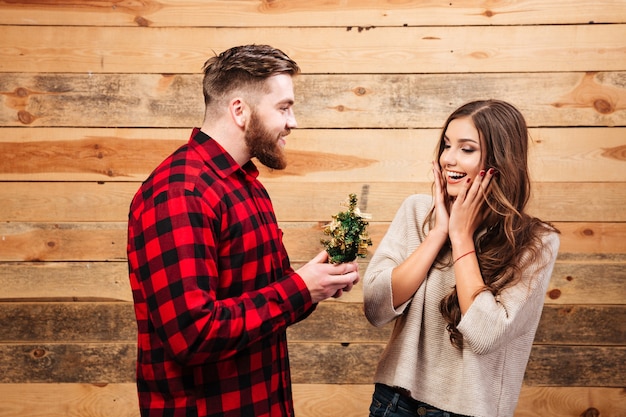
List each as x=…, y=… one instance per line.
x=386, y=402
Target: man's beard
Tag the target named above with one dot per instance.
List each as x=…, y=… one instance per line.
x=263, y=145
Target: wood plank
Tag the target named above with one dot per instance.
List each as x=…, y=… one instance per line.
x=306, y=202
x=409, y=49
x=90, y=241
x=63, y=241
x=318, y=155
x=68, y=399
x=577, y=280
x=583, y=324
x=584, y=366
x=581, y=282
x=93, y=363
x=577, y=366
x=324, y=101
x=67, y=322
x=570, y=401
x=344, y=323
x=310, y=400
x=65, y=281
x=309, y=13
x=591, y=238
x=352, y=400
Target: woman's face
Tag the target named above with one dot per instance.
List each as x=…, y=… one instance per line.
x=462, y=156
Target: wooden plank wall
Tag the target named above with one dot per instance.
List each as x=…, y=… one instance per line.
x=93, y=94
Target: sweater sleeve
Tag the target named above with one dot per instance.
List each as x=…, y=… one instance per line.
x=402, y=237
x=492, y=321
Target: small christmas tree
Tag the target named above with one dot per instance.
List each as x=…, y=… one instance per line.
x=348, y=234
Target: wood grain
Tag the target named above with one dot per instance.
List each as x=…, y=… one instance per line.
x=310, y=400
x=391, y=101
x=311, y=363
x=314, y=155
x=90, y=241
x=342, y=323
x=433, y=49
x=308, y=202
x=575, y=280
x=363, y=13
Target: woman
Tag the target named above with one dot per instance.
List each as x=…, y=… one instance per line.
x=463, y=274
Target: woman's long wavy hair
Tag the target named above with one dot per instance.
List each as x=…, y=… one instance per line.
x=507, y=233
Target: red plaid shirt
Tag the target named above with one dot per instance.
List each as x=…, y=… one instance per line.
x=213, y=288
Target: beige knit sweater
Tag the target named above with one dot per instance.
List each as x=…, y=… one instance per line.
x=485, y=378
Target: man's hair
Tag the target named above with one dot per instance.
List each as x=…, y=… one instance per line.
x=243, y=67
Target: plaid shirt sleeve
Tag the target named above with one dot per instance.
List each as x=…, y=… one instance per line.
x=210, y=276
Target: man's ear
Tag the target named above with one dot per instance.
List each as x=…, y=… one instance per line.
x=238, y=111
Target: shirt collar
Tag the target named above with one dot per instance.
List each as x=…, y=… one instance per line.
x=217, y=158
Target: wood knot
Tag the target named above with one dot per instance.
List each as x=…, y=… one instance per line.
x=38, y=353
x=602, y=106
x=25, y=117
x=591, y=412
x=142, y=21
x=479, y=55
x=587, y=232
x=21, y=92
x=360, y=91
x=554, y=294
x=42, y=357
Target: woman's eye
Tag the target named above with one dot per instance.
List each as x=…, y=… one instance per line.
x=468, y=150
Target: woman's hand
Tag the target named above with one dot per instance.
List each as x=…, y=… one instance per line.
x=442, y=217
x=468, y=209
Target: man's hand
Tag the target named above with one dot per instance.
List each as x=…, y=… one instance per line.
x=326, y=280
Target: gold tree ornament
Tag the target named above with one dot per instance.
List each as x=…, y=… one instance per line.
x=348, y=234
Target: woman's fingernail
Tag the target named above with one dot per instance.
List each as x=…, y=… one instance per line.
x=491, y=171
x=482, y=173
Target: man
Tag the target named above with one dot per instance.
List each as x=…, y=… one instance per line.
x=213, y=287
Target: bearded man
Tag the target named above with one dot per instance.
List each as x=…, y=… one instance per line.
x=213, y=288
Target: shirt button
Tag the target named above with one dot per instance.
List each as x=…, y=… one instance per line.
x=421, y=411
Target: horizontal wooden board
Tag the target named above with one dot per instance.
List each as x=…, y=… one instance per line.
x=95, y=363
x=552, y=99
x=576, y=366
x=67, y=322
x=583, y=324
x=586, y=282
x=45, y=322
x=90, y=241
x=575, y=280
x=310, y=400
x=570, y=402
x=406, y=49
x=317, y=155
x=305, y=202
x=309, y=13
x=65, y=281
x=334, y=363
